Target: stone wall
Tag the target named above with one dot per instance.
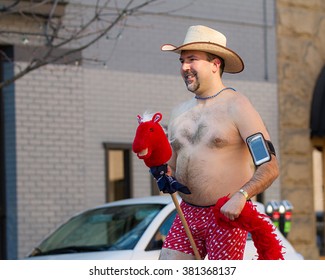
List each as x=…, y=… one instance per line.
x=301, y=56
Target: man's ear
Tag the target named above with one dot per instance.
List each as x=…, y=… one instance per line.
x=216, y=65
x=217, y=62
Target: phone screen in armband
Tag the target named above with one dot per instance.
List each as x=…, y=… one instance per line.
x=258, y=149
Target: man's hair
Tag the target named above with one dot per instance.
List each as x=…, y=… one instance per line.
x=211, y=57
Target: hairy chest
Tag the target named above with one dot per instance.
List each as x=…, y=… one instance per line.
x=212, y=128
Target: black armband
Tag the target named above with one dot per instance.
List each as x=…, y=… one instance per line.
x=270, y=147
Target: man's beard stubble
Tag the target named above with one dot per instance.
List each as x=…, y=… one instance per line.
x=193, y=86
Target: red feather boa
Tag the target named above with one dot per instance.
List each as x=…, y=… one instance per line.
x=258, y=224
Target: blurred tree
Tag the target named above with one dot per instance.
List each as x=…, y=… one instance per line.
x=57, y=31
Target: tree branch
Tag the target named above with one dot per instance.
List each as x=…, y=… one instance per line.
x=59, y=37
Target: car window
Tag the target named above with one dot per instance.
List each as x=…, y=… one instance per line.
x=111, y=228
x=160, y=235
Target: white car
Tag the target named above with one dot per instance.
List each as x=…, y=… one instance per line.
x=131, y=229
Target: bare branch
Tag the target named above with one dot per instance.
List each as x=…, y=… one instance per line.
x=4, y=8
x=64, y=35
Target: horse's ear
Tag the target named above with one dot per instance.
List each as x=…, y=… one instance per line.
x=140, y=119
x=157, y=117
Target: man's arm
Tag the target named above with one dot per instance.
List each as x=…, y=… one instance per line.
x=263, y=177
x=261, y=180
x=249, y=122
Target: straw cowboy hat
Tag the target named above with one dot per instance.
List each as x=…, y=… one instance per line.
x=202, y=38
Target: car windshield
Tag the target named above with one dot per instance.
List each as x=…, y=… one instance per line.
x=111, y=228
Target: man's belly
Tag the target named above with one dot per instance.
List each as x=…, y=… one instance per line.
x=212, y=176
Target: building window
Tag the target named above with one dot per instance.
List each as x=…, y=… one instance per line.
x=118, y=172
x=319, y=195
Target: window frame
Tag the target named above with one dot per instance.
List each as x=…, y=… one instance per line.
x=127, y=150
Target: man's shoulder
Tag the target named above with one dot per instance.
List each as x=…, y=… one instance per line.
x=240, y=104
x=239, y=100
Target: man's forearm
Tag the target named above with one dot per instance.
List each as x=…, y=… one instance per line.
x=263, y=177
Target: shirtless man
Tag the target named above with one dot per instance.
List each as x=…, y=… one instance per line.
x=210, y=155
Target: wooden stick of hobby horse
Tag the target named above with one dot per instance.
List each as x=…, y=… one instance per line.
x=185, y=225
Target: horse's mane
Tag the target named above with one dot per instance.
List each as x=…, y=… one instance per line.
x=147, y=116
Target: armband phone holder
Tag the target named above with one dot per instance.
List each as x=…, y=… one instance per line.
x=258, y=148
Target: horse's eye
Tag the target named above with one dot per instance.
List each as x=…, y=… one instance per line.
x=151, y=129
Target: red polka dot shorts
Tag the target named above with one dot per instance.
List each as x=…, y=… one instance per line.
x=211, y=240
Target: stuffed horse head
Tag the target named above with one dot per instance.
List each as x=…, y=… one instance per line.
x=150, y=142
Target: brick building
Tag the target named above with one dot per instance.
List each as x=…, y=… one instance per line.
x=68, y=129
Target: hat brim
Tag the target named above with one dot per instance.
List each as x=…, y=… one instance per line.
x=233, y=62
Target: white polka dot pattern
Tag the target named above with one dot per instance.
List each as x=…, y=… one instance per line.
x=210, y=239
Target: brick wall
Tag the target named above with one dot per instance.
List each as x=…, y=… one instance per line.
x=50, y=150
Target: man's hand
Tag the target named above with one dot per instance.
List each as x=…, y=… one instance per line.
x=234, y=206
x=166, y=183
x=159, y=171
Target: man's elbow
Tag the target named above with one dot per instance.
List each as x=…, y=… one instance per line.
x=275, y=169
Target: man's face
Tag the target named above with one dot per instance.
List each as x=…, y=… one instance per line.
x=195, y=69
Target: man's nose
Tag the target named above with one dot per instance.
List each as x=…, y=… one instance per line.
x=185, y=66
